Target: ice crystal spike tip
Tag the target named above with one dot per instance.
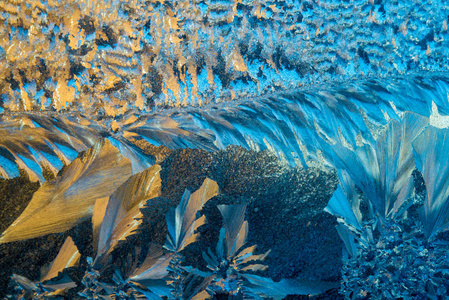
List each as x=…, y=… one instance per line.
x=340, y=207
x=68, y=256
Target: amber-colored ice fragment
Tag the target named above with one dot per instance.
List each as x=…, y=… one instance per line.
x=121, y=213
x=59, y=205
x=67, y=257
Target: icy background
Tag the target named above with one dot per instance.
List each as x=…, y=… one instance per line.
x=95, y=93
x=106, y=58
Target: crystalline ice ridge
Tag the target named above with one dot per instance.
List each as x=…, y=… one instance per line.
x=297, y=125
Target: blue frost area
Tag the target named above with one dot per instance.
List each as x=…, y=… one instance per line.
x=10, y=167
x=33, y=165
x=38, y=96
x=218, y=86
x=59, y=129
x=203, y=84
x=70, y=153
x=154, y=142
x=189, y=89
x=203, y=8
x=52, y=159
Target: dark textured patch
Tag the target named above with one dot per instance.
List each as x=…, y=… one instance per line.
x=147, y=24
x=220, y=71
x=47, y=93
x=127, y=9
x=261, y=74
x=117, y=86
x=184, y=169
x=150, y=102
x=363, y=55
x=76, y=68
x=155, y=79
x=420, y=185
x=42, y=66
x=176, y=70
x=427, y=39
x=282, y=61
x=254, y=22
x=243, y=47
x=307, y=5
x=45, y=74
x=413, y=211
x=107, y=37
x=82, y=235
x=81, y=51
x=303, y=68
x=15, y=85
x=26, y=258
x=241, y=7
x=23, y=76
x=278, y=57
x=200, y=63
x=87, y=23
x=245, y=79
x=331, y=70
x=94, y=79
x=395, y=29
x=256, y=53
x=238, y=171
x=289, y=220
x=15, y=195
x=47, y=173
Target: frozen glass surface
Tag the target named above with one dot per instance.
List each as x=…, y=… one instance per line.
x=228, y=149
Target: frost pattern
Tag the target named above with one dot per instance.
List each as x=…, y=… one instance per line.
x=106, y=58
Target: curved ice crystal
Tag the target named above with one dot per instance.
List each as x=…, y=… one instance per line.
x=298, y=125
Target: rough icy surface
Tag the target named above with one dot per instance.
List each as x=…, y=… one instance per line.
x=106, y=58
x=304, y=80
x=298, y=126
